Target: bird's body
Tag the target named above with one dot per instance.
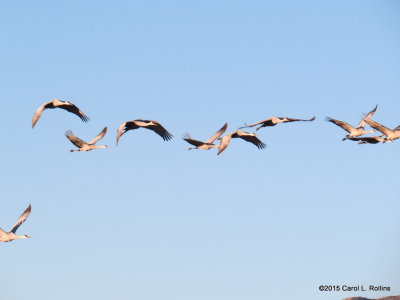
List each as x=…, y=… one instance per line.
x=10, y=236
x=208, y=144
x=354, y=131
x=248, y=137
x=82, y=145
x=56, y=103
x=149, y=124
x=391, y=134
x=275, y=120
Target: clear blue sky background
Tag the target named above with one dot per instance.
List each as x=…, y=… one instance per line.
x=150, y=220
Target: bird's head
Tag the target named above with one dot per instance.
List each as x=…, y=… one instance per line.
x=27, y=236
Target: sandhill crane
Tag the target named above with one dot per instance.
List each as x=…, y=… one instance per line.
x=354, y=131
x=248, y=137
x=10, y=236
x=152, y=125
x=368, y=139
x=275, y=120
x=56, y=103
x=83, y=146
x=390, y=134
x=208, y=144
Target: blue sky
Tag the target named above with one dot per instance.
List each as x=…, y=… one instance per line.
x=150, y=220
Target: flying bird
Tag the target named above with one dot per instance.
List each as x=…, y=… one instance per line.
x=369, y=139
x=391, y=134
x=152, y=125
x=208, y=144
x=275, y=120
x=83, y=146
x=354, y=131
x=248, y=137
x=56, y=103
x=10, y=236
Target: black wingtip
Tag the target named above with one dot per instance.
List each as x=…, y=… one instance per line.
x=262, y=146
x=167, y=136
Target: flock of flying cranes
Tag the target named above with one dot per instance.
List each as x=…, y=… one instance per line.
x=355, y=134
x=159, y=129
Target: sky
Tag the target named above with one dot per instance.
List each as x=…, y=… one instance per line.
x=150, y=220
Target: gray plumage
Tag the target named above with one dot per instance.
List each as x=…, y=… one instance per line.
x=248, y=137
x=82, y=145
x=10, y=236
x=56, y=103
x=208, y=144
x=275, y=120
x=354, y=131
x=148, y=124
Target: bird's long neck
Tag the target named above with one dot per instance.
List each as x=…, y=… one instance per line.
x=20, y=237
x=98, y=147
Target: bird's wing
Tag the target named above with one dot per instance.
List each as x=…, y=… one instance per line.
x=120, y=131
x=75, y=110
x=378, y=126
x=255, y=124
x=191, y=141
x=368, y=139
x=286, y=119
x=98, y=137
x=357, y=138
x=223, y=143
x=365, y=138
x=124, y=127
x=21, y=219
x=342, y=124
x=367, y=116
x=2, y=232
x=217, y=134
x=39, y=111
x=396, y=128
x=160, y=130
x=249, y=138
x=74, y=140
